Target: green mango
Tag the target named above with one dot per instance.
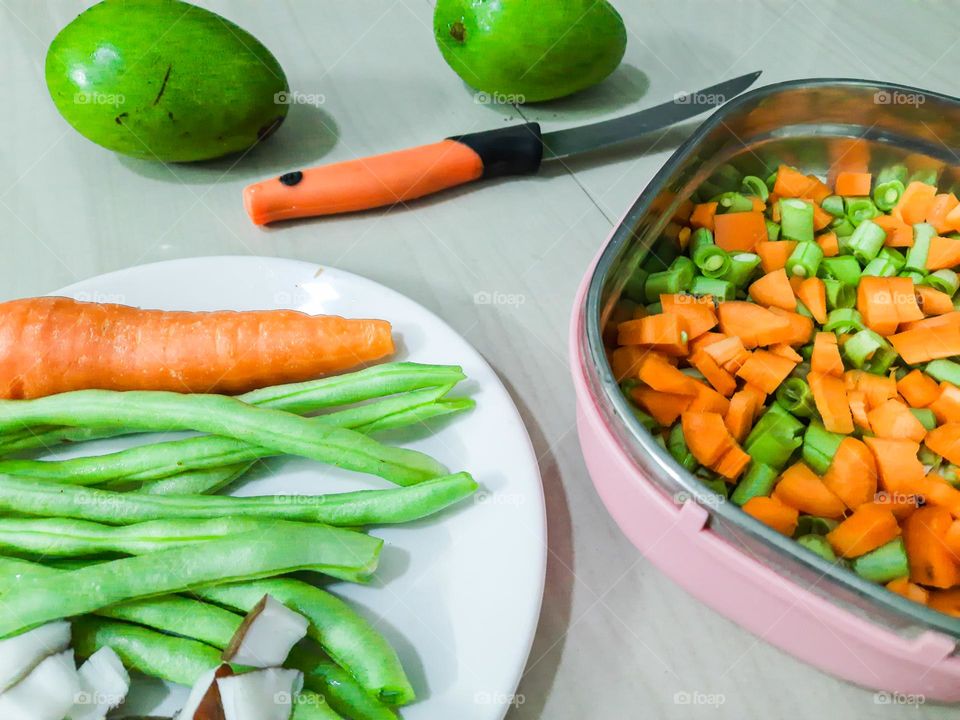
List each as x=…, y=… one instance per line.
x=530, y=50
x=165, y=80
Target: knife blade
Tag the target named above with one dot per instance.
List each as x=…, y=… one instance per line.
x=403, y=175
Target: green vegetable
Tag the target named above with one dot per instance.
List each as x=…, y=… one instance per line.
x=796, y=220
x=731, y=202
x=165, y=81
x=804, y=260
x=926, y=417
x=351, y=509
x=819, y=545
x=844, y=321
x=867, y=240
x=757, y=481
x=844, y=268
x=795, y=396
x=344, y=694
x=677, y=447
x=943, y=371
x=923, y=233
x=774, y=437
x=492, y=47
x=819, y=446
x=813, y=525
x=839, y=295
x=859, y=210
x=274, y=548
x=888, y=562
x=741, y=269
x=886, y=195
x=720, y=290
x=282, y=432
x=833, y=204
x=862, y=347
x=880, y=267
x=752, y=185
x=944, y=280
x=196, y=482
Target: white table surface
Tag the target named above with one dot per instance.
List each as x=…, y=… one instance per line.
x=616, y=638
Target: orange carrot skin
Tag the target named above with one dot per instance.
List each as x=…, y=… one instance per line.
x=53, y=344
x=773, y=513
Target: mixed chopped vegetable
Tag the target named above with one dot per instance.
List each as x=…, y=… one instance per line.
x=799, y=351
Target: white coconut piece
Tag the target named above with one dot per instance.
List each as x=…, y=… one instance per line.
x=266, y=636
x=260, y=695
x=20, y=654
x=47, y=693
x=104, y=684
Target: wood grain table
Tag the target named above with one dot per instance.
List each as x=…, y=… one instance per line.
x=616, y=638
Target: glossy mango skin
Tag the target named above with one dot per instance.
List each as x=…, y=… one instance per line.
x=530, y=50
x=164, y=80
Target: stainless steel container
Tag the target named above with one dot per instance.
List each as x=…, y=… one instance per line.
x=822, y=613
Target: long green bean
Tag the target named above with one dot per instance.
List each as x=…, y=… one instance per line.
x=341, y=690
x=199, y=482
x=278, y=548
x=67, y=538
x=173, y=659
x=280, y=431
x=300, y=398
x=196, y=482
x=349, y=639
x=350, y=509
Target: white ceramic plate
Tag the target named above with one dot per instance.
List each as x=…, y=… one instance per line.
x=458, y=595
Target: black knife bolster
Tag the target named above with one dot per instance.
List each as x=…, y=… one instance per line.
x=514, y=150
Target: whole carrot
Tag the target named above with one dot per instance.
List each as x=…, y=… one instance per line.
x=50, y=345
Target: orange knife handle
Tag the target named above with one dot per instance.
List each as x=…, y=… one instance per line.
x=395, y=177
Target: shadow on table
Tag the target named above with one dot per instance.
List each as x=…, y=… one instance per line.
x=558, y=591
x=306, y=136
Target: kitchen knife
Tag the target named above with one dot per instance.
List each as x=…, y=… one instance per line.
x=407, y=174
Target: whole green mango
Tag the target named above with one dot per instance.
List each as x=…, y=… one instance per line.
x=165, y=80
x=530, y=50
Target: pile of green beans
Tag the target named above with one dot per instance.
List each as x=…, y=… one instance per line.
x=187, y=553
